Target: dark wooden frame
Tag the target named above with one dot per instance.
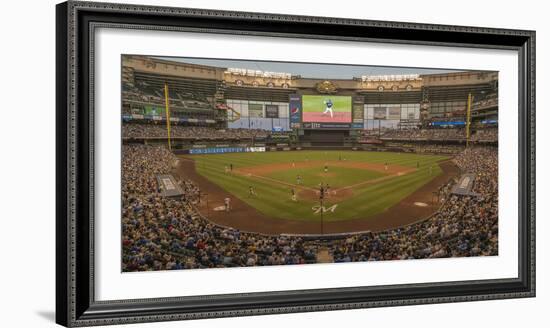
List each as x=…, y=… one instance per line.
x=75, y=303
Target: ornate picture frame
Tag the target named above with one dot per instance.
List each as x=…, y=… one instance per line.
x=75, y=280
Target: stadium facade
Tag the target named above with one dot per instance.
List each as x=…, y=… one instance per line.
x=234, y=98
x=176, y=216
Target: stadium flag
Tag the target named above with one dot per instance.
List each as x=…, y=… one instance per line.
x=167, y=114
x=468, y=115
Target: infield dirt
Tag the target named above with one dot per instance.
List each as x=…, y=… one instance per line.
x=247, y=218
x=337, y=194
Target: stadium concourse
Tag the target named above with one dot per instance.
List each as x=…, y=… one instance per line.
x=160, y=233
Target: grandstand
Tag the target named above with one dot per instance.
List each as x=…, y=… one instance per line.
x=415, y=136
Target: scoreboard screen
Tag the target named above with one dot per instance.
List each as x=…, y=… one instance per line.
x=326, y=109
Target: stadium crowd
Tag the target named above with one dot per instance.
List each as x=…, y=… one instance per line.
x=489, y=101
x=485, y=135
x=463, y=226
x=425, y=134
x=161, y=233
x=490, y=134
x=136, y=130
x=438, y=149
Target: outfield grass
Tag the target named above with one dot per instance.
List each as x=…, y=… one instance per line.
x=274, y=198
x=336, y=177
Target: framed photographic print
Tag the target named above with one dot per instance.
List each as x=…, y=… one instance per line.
x=215, y=163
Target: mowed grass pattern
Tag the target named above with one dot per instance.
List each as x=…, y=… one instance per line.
x=274, y=199
x=336, y=177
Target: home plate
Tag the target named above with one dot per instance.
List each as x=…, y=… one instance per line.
x=219, y=208
x=420, y=204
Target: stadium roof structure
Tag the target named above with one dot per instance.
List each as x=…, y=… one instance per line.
x=309, y=70
x=275, y=81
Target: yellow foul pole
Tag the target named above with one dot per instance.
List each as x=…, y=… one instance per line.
x=468, y=117
x=167, y=114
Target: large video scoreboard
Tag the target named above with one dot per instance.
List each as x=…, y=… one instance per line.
x=325, y=112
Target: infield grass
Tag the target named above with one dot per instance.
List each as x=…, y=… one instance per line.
x=335, y=177
x=273, y=188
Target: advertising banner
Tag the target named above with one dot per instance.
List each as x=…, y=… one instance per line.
x=358, y=114
x=379, y=113
x=255, y=110
x=255, y=149
x=358, y=109
x=394, y=113
x=448, y=123
x=295, y=107
x=223, y=150
x=129, y=117
x=272, y=111
x=216, y=150
x=308, y=125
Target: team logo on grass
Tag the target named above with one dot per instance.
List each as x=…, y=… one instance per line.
x=318, y=208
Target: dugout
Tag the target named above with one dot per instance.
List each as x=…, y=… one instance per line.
x=168, y=186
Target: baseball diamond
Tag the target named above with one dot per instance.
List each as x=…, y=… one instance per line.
x=277, y=163
x=359, y=186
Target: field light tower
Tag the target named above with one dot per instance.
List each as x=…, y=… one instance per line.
x=468, y=119
x=167, y=113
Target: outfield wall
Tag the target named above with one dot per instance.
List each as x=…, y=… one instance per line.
x=297, y=148
x=186, y=146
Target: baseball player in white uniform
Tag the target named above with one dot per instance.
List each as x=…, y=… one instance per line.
x=227, y=202
x=328, y=108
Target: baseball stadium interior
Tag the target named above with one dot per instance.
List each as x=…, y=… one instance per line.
x=172, y=110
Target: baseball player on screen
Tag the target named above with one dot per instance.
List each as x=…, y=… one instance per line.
x=328, y=109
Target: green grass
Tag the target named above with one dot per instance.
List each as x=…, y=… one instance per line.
x=336, y=177
x=274, y=198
